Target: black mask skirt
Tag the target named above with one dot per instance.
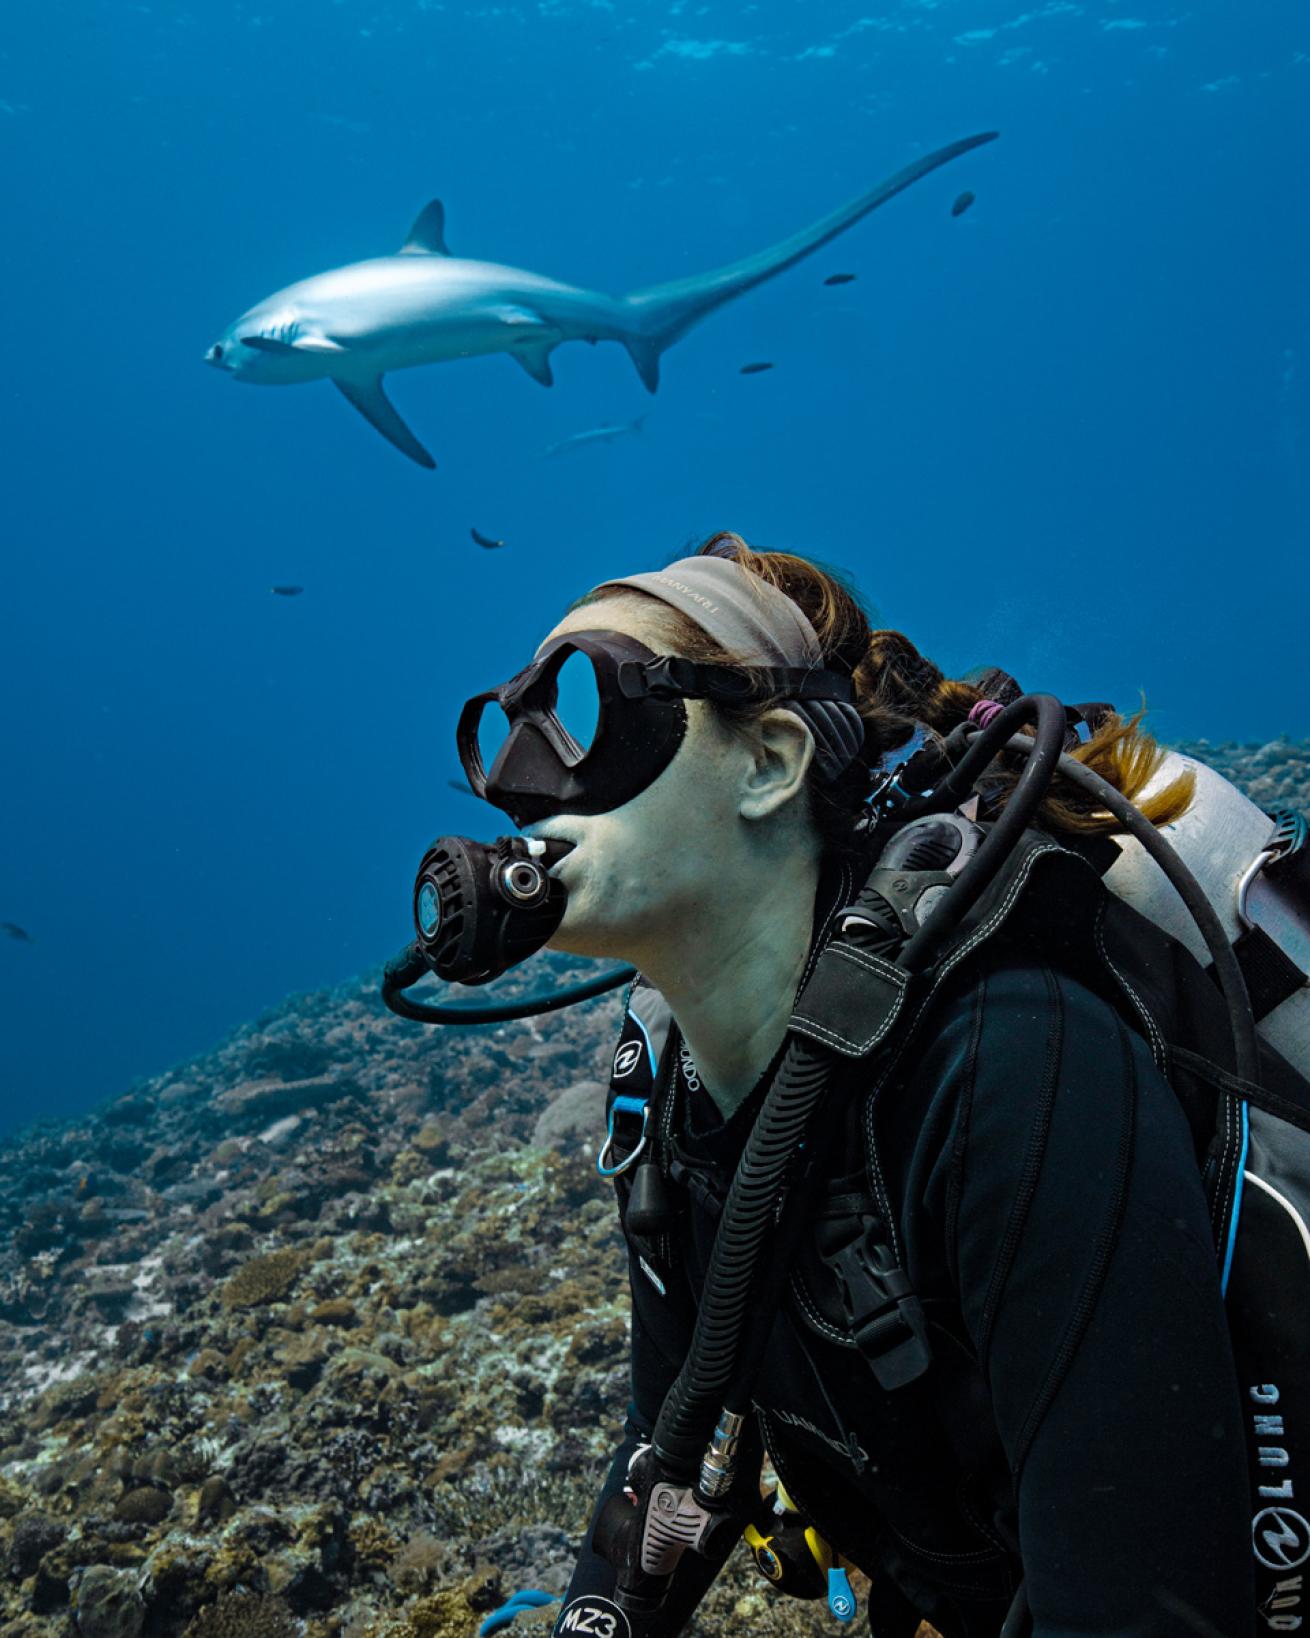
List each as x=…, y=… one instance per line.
x=598, y=716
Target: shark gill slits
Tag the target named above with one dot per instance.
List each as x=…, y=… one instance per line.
x=840, y=278
x=485, y=540
x=962, y=203
x=756, y=369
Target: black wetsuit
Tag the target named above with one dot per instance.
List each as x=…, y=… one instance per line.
x=1080, y=1425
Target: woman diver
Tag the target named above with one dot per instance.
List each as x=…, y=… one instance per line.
x=990, y=1365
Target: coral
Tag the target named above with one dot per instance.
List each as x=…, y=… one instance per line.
x=107, y=1602
x=243, y=1615
x=443, y=1615
x=265, y=1279
x=146, y=1505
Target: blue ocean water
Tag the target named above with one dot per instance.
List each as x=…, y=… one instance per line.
x=1066, y=431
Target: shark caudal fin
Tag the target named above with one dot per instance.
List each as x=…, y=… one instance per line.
x=664, y=313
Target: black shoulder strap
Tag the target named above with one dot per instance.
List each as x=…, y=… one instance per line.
x=1271, y=976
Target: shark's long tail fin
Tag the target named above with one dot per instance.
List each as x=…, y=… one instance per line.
x=664, y=313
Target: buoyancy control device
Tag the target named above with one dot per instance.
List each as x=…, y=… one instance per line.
x=1242, y=874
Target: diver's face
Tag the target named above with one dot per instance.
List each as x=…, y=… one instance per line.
x=639, y=871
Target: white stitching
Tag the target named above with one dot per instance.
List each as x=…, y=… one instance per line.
x=1158, y=1051
x=881, y=969
x=800, y=1291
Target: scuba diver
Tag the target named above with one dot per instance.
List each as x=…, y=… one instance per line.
x=928, y=1147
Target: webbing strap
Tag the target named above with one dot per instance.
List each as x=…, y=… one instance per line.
x=1270, y=974
x=1236, y=1086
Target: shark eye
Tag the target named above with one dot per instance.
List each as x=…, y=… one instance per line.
x=218, y=349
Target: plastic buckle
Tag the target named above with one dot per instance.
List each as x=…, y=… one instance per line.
x=623, y=1106
x=886, y=1317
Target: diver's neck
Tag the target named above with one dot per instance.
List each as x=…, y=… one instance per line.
x=730, y=975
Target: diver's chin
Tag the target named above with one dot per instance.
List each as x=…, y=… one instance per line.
x=574, y=936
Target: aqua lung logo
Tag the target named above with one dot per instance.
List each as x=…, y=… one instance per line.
x=1280, y=1535
x=1279, y=1609
x=850, y=1447
x=594, y=1615
x=769, y=1563
x=626, y=1058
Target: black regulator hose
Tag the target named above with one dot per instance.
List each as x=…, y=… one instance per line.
x=409, y=965
x=1044, y=753
x=692, y=1405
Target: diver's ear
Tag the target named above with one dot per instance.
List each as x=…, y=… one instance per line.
x=782, y=749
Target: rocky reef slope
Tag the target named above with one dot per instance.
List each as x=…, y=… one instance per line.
x=323, y=1333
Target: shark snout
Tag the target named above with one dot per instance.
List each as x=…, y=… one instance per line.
x=216, y=355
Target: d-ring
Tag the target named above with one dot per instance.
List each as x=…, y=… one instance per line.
x=627, y=1106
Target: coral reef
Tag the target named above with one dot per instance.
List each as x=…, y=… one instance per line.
x=323, y=1334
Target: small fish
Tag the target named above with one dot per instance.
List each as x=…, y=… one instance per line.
x=14, y=931
x=463, y=786
x=840, y=278
x=754, y=369
x=484, y=540
x=594, y=435
x=962, y=204
x=286, y=591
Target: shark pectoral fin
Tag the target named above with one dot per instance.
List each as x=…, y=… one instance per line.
x=645, y=353
x=302, y=344
x=428, y=235
x=536, y=361
x=318, y=344
x=374, y=405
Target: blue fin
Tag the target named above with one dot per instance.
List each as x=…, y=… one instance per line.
x=645, y=354
x=428, y=235
x=376, y=408
x=536, y=361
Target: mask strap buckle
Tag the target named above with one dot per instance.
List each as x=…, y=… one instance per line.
x=623, y=1106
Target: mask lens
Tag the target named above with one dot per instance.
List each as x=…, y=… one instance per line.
x=429, y=910
x=577, y=701
x=493, y=730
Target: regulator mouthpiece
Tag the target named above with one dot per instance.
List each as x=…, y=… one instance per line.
x=482, y=907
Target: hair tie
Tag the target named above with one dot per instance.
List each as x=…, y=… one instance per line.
x=984, y=712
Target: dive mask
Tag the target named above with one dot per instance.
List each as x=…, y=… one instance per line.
x=598, y=716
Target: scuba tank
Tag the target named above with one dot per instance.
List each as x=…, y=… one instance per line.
x=1255, y=869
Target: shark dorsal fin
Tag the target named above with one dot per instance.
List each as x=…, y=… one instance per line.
x=428, y=235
